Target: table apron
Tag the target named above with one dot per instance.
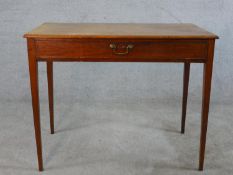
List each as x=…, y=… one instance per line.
x=102, y=50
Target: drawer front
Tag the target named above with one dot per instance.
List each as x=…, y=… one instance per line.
x=122, y=51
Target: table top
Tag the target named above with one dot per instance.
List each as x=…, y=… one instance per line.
x=120, y=30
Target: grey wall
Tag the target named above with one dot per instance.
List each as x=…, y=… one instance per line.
x=77, y=81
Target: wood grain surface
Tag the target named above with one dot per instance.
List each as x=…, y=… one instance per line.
x=118, y=30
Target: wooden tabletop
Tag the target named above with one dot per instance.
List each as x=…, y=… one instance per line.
x=119, y=30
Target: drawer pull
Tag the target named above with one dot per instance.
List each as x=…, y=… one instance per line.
x=114, y=49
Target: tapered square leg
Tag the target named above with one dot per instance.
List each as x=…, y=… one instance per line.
x=50, y=94
x=207, y=76
x=185, y=94
x=33, y=70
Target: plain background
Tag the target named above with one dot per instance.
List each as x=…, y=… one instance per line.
x=87, y=84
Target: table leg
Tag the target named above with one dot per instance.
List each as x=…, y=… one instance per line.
x=185, y=94
x=33, y=70
x=50, y=94
x=207, y=76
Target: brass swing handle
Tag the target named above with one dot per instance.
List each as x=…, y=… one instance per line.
x=114, y=48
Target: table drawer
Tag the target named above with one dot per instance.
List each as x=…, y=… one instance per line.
x=122, y=50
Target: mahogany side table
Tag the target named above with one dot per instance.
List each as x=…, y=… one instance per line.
x=95, y=42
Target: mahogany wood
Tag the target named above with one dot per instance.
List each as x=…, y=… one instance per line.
x=207, y=76
x=185, y=43
x=185, y=94
x=33, y=70
x=143, y=50
x=119, y=30
x=50, y=94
